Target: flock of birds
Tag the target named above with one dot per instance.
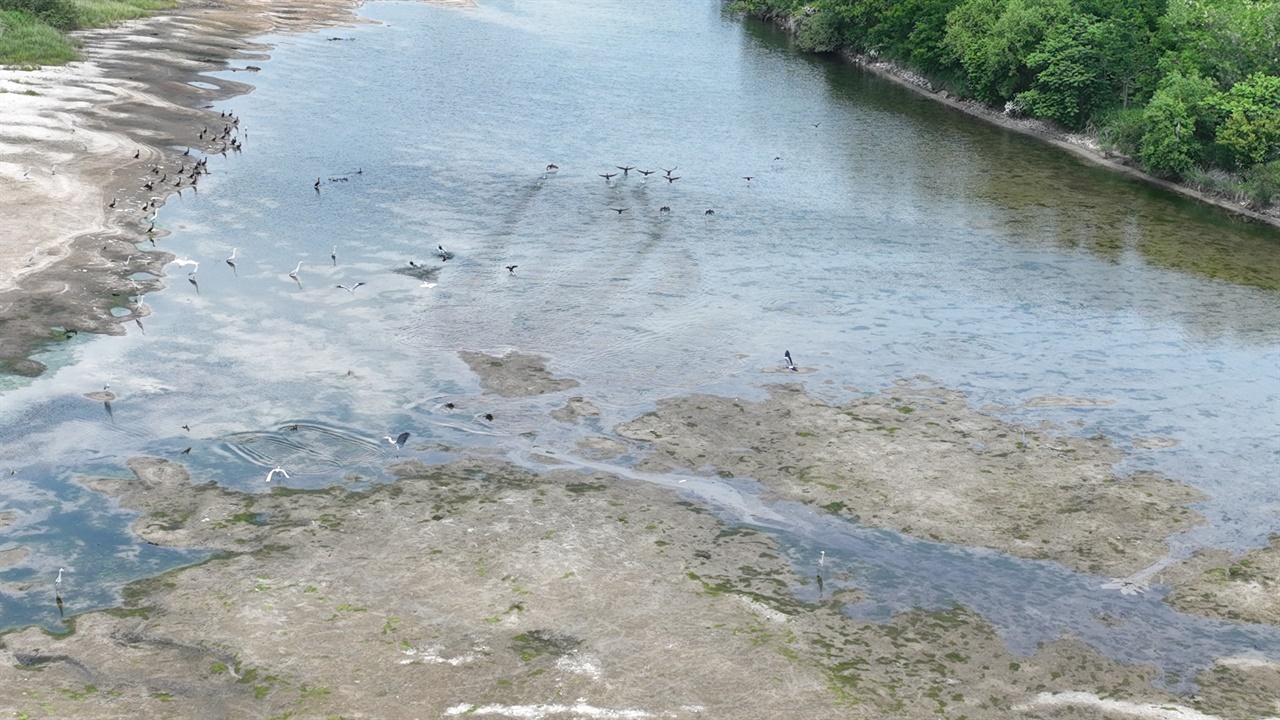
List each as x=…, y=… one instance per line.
x=229, y=139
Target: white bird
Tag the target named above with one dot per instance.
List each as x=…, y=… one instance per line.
x=351, y=289
x=57, y=583
x=822, y=558
x=277, y=469
x=232, y=260
x=427, y=285
x=786, y=355
x=294, y=275
x=187, y=261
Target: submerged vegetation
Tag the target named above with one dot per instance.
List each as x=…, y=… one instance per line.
x=1188, y=88
x=34, y=32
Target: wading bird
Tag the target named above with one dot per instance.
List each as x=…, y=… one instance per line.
x=786, y=355
x=334, y=256
x=294, y=274
x=232, y=260
x=398, y=440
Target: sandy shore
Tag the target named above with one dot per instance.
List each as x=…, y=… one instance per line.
x=78, y=146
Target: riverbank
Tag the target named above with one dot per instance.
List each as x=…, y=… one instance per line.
x=1080, y=145
x=77, y=153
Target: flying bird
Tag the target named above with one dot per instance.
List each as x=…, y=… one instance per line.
x=619, y=210
x=671, y=178
x=398, y=440
x=607, y=176
x=277, y=469
x=351, y=289
x=512, y=269
x=625, y=169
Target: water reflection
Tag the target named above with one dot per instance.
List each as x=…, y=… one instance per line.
x=894, y=238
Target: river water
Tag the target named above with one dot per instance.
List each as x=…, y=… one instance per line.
x=880, y=237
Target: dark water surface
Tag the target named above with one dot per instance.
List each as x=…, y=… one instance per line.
x=890, y=238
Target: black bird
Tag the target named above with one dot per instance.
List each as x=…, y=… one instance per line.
x=185, y=452
x=671, y=179
x=113, y=203
x=664, y=209
x=816, y=124
x=608, y=176
x=553, y=167
x=317, y=185
x=646, y=173
x=819, y=576
x=748, y=178
x=786, y=355
x=187, y=428
x=668, y=172
x=334, y=256
x=488, y=416
x=448, y=406
x=625, y=169
x=708, y=212
x=512, y=269
x=136, y=153
x=619, y=210
x=398, y=440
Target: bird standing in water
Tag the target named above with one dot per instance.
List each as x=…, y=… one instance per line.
x=786, y=355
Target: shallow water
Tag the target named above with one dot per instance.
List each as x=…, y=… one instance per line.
x=890, y=238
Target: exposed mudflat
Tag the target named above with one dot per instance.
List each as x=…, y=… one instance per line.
x=915, y=459
x=1245, y=587
x=514, y=374
x=479, y=588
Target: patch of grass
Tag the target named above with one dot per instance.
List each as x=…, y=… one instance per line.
x=26, y=40
x=109, y=13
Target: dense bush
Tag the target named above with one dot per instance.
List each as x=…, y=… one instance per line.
x=60, y=14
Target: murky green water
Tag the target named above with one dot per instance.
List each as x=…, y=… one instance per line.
x=881, y=236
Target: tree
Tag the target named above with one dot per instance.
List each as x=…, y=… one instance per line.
x=1069, y=84
x=1250, y=126
x=992, y=38
x=1177, y=121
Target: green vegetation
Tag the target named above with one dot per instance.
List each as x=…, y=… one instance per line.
x=1190, y=89
x=33, y=32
